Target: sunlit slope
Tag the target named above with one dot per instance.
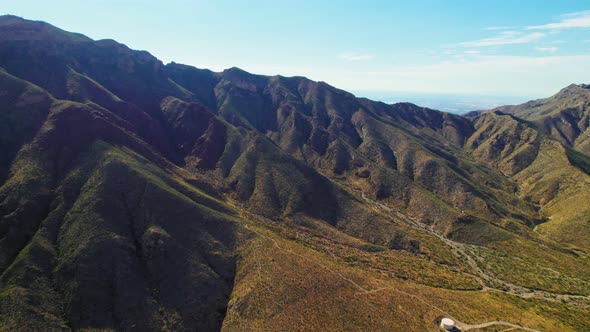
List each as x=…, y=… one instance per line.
x=549, y=175
x=565, y=116
x=141, y=196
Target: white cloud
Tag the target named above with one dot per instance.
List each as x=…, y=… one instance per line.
x=505, y=38
x=472, y=52
x=494, y=75
x=574, y=20
x=498, y=28
x=351, y=56
x=547, y=49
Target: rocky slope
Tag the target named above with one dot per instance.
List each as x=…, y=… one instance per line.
x=142, y=196
x=564, y=116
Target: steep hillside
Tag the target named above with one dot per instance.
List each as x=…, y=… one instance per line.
x=397, y=152
x=564, y=116
x=549, y=175
x=141, y=196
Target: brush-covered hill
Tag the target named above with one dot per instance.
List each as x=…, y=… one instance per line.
x=136, y=195
x=564, y=116
x=557, y=179
x=551, y=176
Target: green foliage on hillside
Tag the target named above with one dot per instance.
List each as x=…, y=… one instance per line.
x=563, y=116
x=579, y=160
x=138, y=196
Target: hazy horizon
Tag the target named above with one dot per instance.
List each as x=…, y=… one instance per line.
x=449, y=102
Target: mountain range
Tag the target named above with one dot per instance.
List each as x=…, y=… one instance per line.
x=137, y=195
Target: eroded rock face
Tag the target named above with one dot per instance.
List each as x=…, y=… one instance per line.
x=154, y=243
x=125, y=184
x=564, y=116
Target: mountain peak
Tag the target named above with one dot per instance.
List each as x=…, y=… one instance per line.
x=4, y=19
x=572, y=90
x=138, y=196
x=17, y=28
x=236, y=71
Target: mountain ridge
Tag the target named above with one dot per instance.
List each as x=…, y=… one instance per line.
x=563, y=116
x=128, y=169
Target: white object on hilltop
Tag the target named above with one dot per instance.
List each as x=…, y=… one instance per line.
x=447, y=324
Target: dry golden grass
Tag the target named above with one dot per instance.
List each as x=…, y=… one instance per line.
x=284, y=285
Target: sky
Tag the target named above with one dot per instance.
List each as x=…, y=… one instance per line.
x=526, y=48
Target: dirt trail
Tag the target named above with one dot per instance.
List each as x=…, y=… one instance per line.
x=362, y=290
x=466, y=327
x=461, y=325
x=338, y=274
x=467, y=253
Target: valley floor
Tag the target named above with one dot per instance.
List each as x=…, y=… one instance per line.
x=313, y=277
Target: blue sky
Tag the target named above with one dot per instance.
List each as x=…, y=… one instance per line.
x=508, y=48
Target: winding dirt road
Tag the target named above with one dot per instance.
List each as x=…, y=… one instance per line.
x=466, y=327
x=485, y=279
x=461, y=250
x=362, y=290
